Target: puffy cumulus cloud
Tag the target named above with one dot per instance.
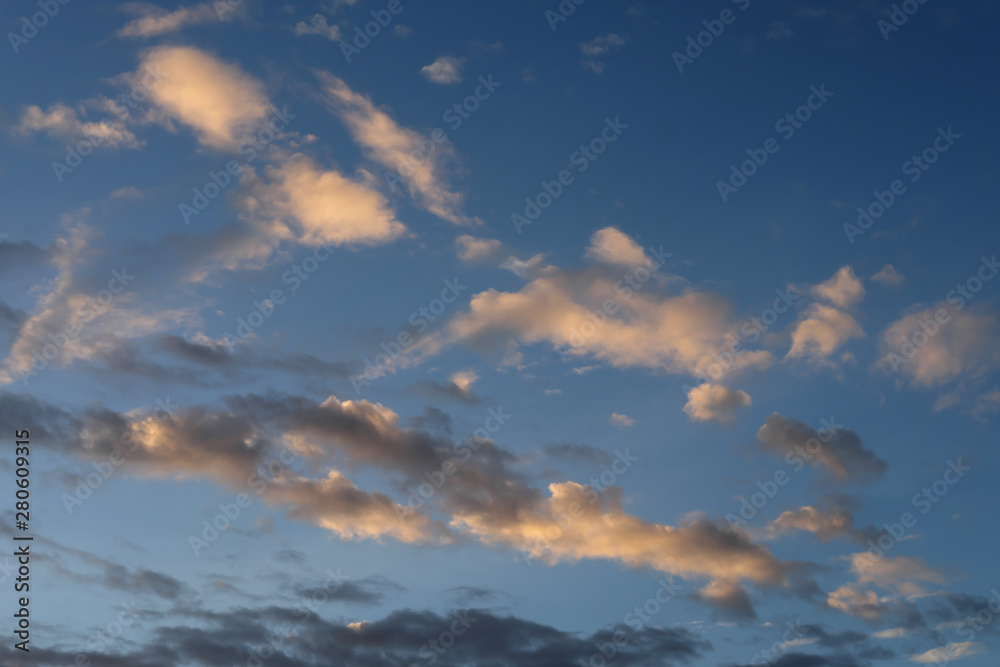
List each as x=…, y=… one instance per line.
x=620, y=420
x=485, y=496
x=445, y=70
x=221, y=638
x=220, y=102
x=388, y=144
x=603, y=530
x=713, y=401
x=318, y=26
x=838, y=451
x=832, y=517
x=472, y=249
x=944, y=654
x=888, y=275
x=297, y=200
x=843, y=290
x=823, y=328
x=611, y=246
x=596, y=314
x=821, y=331
x=935, y=346
x=81, y=315
x=64, y=122
x=151, y=20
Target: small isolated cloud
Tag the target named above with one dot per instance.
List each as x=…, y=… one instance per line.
x=888, y=275
x=780, y=30
x=712, y=401
x=891, y=633
x=578, y=454
x=445, y=70
x=598, y=48
x=612, y=246
x=621, y=421
x=472, y=249
x=63, y=122
x=838, y=451
x=318, y=26
x=941, y=656
x=151, y=21
x=843, y=290
x=128, y=192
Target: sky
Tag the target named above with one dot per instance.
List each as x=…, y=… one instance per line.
x=390, y=332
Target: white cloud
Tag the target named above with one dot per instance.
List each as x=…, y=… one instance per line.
x=318, y=26
x=522, y=268
x=600, y=46
x=65, y=123
x=888, y=275
x=891, y=633
x=621, y=421
x=390, y=145
x=472, y=249
x=944, y=654
x=300, y=201
x=220, y=102
x=445, y=70
x=151, y=20
x=843, y=290
x=711, y=401
x=821, y=331
x=611, y=246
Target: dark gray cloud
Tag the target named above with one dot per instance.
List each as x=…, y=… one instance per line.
x=839, y=452
x=372, y=590
x=443, y=391
x=578, y=454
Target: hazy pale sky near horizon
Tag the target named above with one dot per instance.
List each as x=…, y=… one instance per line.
x=389, y=332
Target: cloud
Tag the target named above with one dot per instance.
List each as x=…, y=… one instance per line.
x=621, y=421
x=712, y=401
x=128, y=192
x=221, y=638
x=949, y=652
x=899, y=574
x=839, y=452
x=373, y=590
x=965, y=344
x=861, y=604
x=152, y=21
x=843, y=290
x=64, y=122
x=824, y=327
x=318, y=26
x=472, y=249
x=569, y=310
x=598, y=47
x=457, y=388
x=388, y=144
x=889, y=276
x=445, y=70
x=219, y=101
x=611, y=246
x=578, y=454
x=831, y=518
x=891, y=633
x=297, y=200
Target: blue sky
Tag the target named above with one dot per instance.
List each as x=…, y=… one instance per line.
x=502, y=328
